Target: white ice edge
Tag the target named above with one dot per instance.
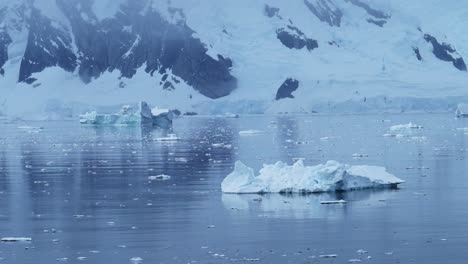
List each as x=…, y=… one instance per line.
x=16, y=239
x=298, y=178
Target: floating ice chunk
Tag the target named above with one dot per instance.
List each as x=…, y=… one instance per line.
x=128, y=116
x=231, y=115
x=333, y=202
x=161, y=177
x=462, y=110
x=183, y=160
x=136, y=260
x=298, y=178
x=250, y=132
x=405, y=127
x=360, y=155
x=403, y=130
x=169, y=138
x=16, y=239
x=31, y=129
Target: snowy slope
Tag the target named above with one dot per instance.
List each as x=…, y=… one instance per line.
x=216, y=56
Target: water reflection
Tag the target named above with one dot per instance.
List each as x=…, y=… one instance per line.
x=303, y=206
x=84, y=191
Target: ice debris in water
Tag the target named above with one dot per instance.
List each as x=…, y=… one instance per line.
x=462, y=110
x=128, y=116
x=16, y=239
x=403, y=130
x=136, y=260
x=333, y=202
x=169, y=138
x=250, y=132
x=161, y=177
x=298, y=178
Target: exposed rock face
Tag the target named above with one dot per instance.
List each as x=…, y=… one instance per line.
x=293, y=38
x=47, y=46
x=5, y=40
x=271, y=11
x=418, y=54
x=371, y=11
x=126, y=43
x=326, y=11
x=287, y=88
x=135, y=37
x=378, y=18
x=379, y=23
x=446, y=52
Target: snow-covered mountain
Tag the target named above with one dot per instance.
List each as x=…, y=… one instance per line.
x=61, y=57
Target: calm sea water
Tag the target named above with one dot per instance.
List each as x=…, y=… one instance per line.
x=83, y=195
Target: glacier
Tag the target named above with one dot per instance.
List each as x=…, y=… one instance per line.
x=298, y=178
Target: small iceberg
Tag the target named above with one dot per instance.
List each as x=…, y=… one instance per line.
x=128, y=116
x=405, y=127
x=16, y=239
x=403, y=130
x=462, y=110
x=298, y=178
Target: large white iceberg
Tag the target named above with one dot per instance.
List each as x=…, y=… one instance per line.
x=298, y=178
x=462, y=110
x=128, y=116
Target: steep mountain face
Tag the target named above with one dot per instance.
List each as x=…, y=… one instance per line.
x=215, y=56
x=134, y=37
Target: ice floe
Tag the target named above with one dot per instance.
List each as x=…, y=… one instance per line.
x=16, y=239
x=298, y=178
x=128, y=116
x=250, y=132
x=161, y=177
x=168, y=138
x=403, y=130
x=333, y=202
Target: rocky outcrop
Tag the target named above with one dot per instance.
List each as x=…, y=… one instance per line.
x=5, y=40
x=287, y=88
x=271, y=11
x=136, y=37
x=446, y=52
x=418, y=54
x=293, y=38
x=48, y=45
x=371, y=11
x=325, y=11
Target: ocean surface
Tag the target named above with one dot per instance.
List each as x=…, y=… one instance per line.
x=84, y=194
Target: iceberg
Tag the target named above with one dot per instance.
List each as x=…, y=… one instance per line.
x=462, y=110
x=128, y=116
x=405, y=127
x=403, y=130
x=298, y=178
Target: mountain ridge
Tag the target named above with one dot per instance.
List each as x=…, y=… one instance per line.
x=206, y=56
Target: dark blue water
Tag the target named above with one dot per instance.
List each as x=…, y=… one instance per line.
x=83, y=195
